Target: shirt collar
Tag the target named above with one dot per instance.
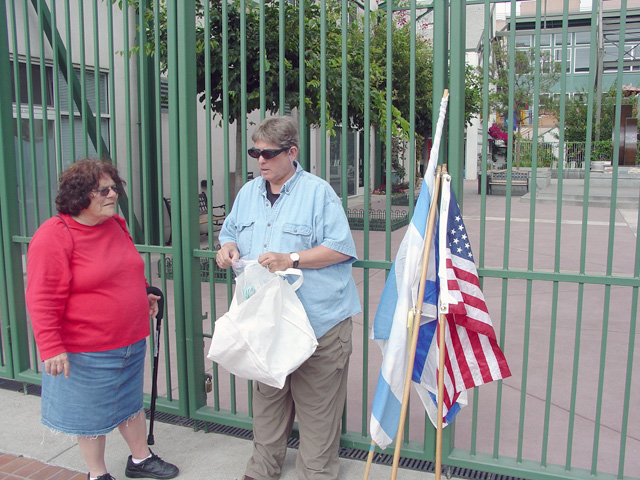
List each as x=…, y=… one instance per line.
x=288, y=185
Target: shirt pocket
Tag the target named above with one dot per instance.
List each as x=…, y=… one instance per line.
x=244, y=236
x=296, y=235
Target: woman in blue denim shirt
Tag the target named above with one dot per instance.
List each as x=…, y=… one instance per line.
x=290, y=218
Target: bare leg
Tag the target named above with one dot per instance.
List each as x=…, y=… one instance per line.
x=134, y=432
x=92, y=450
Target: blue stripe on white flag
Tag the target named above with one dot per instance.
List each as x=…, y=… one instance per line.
x=386, y=406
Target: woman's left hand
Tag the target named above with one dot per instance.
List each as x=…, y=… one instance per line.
x=274, y=261
x=153, y=304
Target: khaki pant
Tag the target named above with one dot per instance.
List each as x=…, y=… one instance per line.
x=316, y=394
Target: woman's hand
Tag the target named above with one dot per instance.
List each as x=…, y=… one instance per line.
x=56, y=365
x=227, y=255
x=153, y=304
x=274, y=261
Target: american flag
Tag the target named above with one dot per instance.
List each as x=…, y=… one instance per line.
x=472, y=356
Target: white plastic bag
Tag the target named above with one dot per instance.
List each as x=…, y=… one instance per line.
x=250, y=277
x=266, y=335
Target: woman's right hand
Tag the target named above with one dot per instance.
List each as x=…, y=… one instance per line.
x=227, y=255
x=57, y=365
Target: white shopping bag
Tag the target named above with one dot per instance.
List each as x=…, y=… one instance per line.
x=266, y=335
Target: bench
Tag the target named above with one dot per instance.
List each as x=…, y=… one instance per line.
x=499, y=177
x=217, y=217
x=218, y=214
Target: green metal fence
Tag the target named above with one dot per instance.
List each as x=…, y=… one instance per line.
x=560, y=272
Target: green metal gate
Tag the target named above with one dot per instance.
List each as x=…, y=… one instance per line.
x=560, y=264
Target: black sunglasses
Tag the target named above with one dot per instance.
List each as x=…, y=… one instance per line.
x=105, y=191
x=267, y=154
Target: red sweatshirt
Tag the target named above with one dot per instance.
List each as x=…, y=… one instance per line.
x=86, y=290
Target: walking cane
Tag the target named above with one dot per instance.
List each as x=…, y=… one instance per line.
x=156, y=350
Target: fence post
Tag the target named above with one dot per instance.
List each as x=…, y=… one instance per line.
x=184, y=188
x=11, y=256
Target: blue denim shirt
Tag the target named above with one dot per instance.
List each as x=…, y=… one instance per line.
x=308, y=213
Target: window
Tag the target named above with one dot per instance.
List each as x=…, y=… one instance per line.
x=36, y=139
x=583, y=38
x=610, y=59
x=558, y=58
x=557, y=39
x=546, y=61
x=545, y=40
x=523, y=41
x=36, y=84
x=581, y=61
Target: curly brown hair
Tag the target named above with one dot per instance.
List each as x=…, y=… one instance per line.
x=79, y=179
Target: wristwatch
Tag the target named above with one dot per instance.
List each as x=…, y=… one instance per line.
x=295, y=258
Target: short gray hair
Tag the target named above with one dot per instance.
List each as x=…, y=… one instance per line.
x=282, y=131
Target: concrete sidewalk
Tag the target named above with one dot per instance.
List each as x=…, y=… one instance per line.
x=33, y=452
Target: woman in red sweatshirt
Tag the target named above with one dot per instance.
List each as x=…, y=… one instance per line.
x=89, y=308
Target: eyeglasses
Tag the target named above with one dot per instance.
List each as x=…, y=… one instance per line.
x=267, y=154
x=105, y=191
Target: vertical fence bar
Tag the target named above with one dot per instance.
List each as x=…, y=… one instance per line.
x=558, y=230
x=388, y=125
x=96, y=77
x=610, y=244
x=182, y=145
x=412, y=109
x=507, y=216
x=559, y=210
x=630, y=355
x=22, y=199
x=281, y=63
x=56, y=89
x=486, y=59
x=344, y=137
x=112, y=87
x=583, y=238
x=127, y=106
x=367, y=193
x=263, y=90
x=44, y=94
x=304, y=151
x=70, y=83
x=6, y=354
x=457, y=99
x=532, y=219
x=15, y=314
x=84, y=111
x=31, y=119
x=146, y=114
x=323, y=89
x=160, y=180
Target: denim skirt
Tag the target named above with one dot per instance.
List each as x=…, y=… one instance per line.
x=103, y=390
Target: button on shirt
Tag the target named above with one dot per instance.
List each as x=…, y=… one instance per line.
x=307, y=214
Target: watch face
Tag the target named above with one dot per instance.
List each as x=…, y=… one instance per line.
x=295, y=257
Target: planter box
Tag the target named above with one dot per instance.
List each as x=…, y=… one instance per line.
x=377, y=219
x=217, y=275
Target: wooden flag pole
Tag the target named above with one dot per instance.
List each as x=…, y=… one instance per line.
x=372, y=448
x=417, y=314
x=441, y=346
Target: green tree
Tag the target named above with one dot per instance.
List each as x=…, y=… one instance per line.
x=575, y=128
x=522, y=84
x=312, y=85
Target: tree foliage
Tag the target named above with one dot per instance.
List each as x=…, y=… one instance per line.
x=522, y=82
x=248, y=86
x=576, y=115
